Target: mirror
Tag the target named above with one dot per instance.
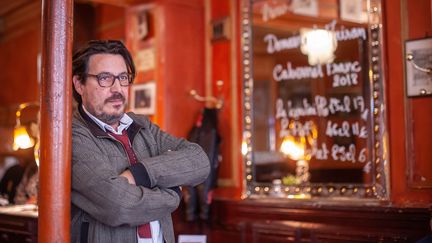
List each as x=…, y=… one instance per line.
x=314, y=116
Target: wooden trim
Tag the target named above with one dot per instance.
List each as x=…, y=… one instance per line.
x=208, y=49
x=188, y=3
x=56, y=117
x=235, y=163
x=126, y=3
x=110, y=25
x=226, y=182
x=286, y=220
x=119, y=3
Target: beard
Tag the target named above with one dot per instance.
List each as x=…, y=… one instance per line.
x=109, y=118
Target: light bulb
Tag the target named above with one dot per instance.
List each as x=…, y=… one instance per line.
x=22, y=140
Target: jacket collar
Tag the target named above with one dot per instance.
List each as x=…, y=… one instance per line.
x=98, y=132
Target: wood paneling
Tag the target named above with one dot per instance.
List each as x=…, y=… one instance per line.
x=225, y=66
x=18, y=228
x=119, y=3
x=19, y=47
x=176, y=37
x=180, y=51
x=110, y=22
x=419, y=110
x=282, y=221
x=9, y=6
x=399, y=26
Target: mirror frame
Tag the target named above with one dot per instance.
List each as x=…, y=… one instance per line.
x=376, y=192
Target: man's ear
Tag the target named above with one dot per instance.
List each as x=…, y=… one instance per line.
x=77, y=84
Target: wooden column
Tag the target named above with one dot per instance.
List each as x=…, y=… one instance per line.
x=56, y=109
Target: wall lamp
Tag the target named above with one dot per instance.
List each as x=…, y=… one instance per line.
x=22, y=139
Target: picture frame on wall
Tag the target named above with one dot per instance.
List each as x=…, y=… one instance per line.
x=220, y=29
x=305, y=7
x=418, y=67
x=143, y=98
x=352, y=10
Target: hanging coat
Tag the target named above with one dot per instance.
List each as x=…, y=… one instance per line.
x=205, y=134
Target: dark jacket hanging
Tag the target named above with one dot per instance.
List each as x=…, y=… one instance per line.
x=205, y=134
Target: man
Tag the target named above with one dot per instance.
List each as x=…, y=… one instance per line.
x=126, y=172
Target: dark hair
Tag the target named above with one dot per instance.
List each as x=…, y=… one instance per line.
x=81, y=58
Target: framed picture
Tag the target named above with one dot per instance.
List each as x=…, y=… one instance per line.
x=418, y=63
x=305, y=7
x=352, y=10
x=220, y=29
x=143, y=98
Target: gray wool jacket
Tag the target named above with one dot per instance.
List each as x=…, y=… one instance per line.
x=105, y=207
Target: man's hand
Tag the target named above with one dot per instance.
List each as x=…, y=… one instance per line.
x=128, y=176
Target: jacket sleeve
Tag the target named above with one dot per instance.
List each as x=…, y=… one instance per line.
x=98, y=189
x=179, y=163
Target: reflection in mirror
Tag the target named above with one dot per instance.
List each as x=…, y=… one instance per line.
x=313, y=99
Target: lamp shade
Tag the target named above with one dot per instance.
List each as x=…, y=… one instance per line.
x=22, y=139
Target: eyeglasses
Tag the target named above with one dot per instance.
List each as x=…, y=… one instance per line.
x=108, y=79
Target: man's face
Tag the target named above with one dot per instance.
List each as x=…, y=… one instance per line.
x=105, y=103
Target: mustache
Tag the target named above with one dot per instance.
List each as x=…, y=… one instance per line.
x=116, y=96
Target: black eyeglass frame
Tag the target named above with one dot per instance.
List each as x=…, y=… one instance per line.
x=114, y=77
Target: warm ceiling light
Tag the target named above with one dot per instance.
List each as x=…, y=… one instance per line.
x=319, y=45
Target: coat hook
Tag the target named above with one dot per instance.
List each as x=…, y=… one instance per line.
x=217, y=102
x=410, y=58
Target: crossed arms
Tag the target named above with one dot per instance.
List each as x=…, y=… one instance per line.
x=115, y=193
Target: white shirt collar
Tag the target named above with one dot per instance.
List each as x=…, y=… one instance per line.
x=125, y=122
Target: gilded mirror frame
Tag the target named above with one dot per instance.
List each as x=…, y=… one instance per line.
x=375, y=192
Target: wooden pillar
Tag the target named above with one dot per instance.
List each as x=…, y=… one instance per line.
x=56, y=109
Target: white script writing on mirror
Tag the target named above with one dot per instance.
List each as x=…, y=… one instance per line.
x=295, y=128
x=343, y=153
x=348, y=79
x=304, y=129
x=344, y=73
x=302, y=72
x=346, y=129
x=344, y=34
x=270, y=12
x=343, y=68
x=322, y=107
x=291, y=125
x=338, y=153
x=278, y=44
